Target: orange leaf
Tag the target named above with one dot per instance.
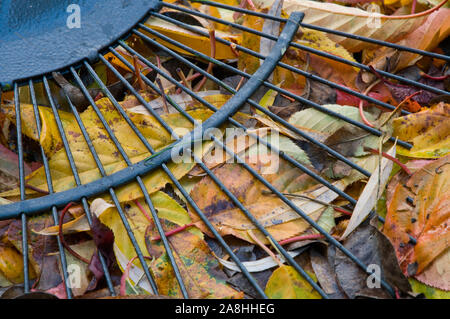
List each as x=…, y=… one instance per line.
x=419, y=206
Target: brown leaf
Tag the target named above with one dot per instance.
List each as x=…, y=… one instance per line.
x=200, y=271
x=278, y=218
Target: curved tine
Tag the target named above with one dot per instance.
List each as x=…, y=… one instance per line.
x=323, y=29
x=139, y=179
x=330, y=238
x=281, y=154
x=285, y=92
x=116, y=201
x=251, y=102
x=62, y=254
x=23, y=217
x=306, y=74
x=192, y=203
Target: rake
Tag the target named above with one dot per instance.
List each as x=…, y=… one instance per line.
x=38, y=41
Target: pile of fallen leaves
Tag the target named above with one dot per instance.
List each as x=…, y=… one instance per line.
x=409, y=188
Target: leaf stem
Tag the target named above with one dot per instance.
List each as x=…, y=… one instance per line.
x=36, y=189
x=435, y=78
x=389, y=157
x=234, y=49
x=124, y=277
x=61, y=236
x=143, y=211
x=301, y=238
x=183, y=78
x=174, y=231
x=361, y=104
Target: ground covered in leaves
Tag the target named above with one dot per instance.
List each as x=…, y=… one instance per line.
x=408, y=188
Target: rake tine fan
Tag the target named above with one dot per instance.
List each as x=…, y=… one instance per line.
x=74, y=53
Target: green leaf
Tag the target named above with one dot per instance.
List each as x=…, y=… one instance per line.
x=326, y=220
x=283, y=144
x=429, y=292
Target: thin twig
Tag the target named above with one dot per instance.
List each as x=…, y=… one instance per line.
x=137, y=72
x=183, y=78
x=212, y=39
x=389, y=157
x=34, y=188
x=163, y=95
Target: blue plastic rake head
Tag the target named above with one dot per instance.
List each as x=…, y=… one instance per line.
x=43, y=36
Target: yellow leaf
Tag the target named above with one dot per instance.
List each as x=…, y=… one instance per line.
x=112, y=161
x=78, y=224
x=50, y=138
x=11, y=264
x=166, y=207
x=286, y=283
x=428, y=130
x=194, y=41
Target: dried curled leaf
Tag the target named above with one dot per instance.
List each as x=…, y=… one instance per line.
x=371, y=193
x=355, y=21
